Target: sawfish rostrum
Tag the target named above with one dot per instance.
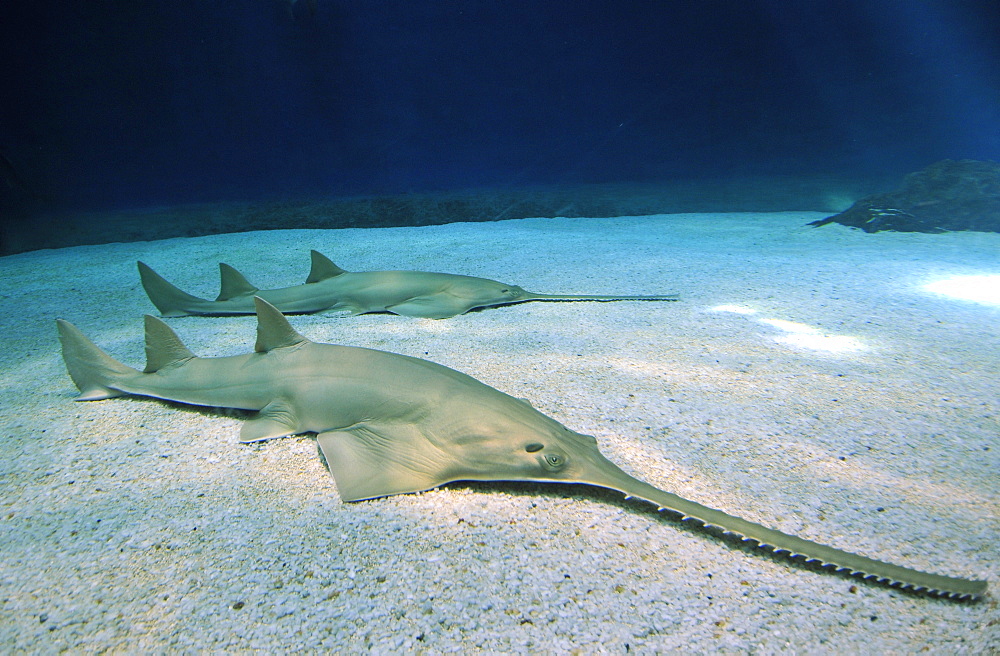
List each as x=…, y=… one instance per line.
x=329, y=288
x=392, y=424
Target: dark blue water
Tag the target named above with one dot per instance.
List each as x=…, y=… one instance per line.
x=133, y=104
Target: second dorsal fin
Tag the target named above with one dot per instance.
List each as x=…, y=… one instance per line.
x=163, y=347
x=322, y=268
x=233, y=283
x=273, y=329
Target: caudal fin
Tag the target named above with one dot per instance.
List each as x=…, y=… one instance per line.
x=94, y=371
x=168, y=299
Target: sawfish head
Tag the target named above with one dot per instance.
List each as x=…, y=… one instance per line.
x=483, y=292
x=484, y=435
x=526, y=445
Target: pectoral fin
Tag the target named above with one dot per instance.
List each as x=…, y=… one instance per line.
x=276, y=419
x=367, y=464
x=434, y=306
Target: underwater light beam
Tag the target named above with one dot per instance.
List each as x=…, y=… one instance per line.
x=801, y=335
x=983, y=289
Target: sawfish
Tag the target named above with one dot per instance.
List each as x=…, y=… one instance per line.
x=392, y=424
x=330, y=288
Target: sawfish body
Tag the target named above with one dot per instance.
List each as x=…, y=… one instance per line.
x=329, y=288
x=391, y=424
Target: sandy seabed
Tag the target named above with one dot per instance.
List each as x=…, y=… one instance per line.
x=807, y=380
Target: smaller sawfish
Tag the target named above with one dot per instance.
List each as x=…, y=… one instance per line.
x=329, y=288
x=392, y=424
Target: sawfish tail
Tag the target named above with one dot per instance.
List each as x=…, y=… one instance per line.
x=168, y=299
x=94, y=372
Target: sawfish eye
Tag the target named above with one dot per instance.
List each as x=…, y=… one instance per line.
x=553, y=461
x=534, y=446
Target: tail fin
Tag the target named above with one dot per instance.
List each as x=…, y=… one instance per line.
x=93, y=370
x=169, y=300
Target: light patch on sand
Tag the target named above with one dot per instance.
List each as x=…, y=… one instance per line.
x=791, y=326
x=736, y=309
x=801, y=335
x=978, y=289
x=819, y=342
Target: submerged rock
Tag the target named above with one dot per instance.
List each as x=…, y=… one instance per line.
x=947, y=195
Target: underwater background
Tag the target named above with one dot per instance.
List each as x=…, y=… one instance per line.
x=835, y=383
x=407, y=113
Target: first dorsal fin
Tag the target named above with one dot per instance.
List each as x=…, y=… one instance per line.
x=234, y=283
x=322, y=268
x=273, y=329
x=163, y=347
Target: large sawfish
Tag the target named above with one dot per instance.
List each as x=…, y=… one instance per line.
x=392, y=424
x=330, y=288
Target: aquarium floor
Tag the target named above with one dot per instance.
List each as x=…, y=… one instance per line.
x=806, y=380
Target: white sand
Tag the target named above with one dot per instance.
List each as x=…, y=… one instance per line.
x=134, y=525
